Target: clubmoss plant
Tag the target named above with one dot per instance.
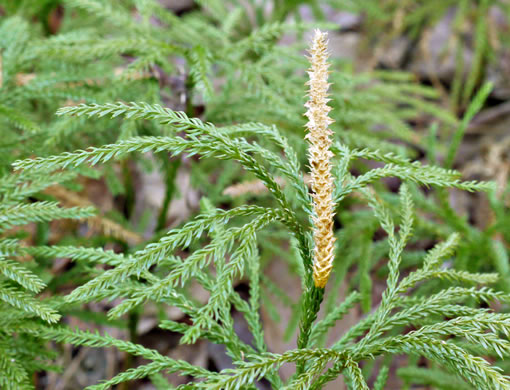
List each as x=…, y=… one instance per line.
x=444, y=326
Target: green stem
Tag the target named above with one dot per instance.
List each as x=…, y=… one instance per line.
x=133, y=318
x=129, y=186
x=171, y=168
x=311, y=306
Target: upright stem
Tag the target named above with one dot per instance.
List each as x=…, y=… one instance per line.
x=171, y=168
